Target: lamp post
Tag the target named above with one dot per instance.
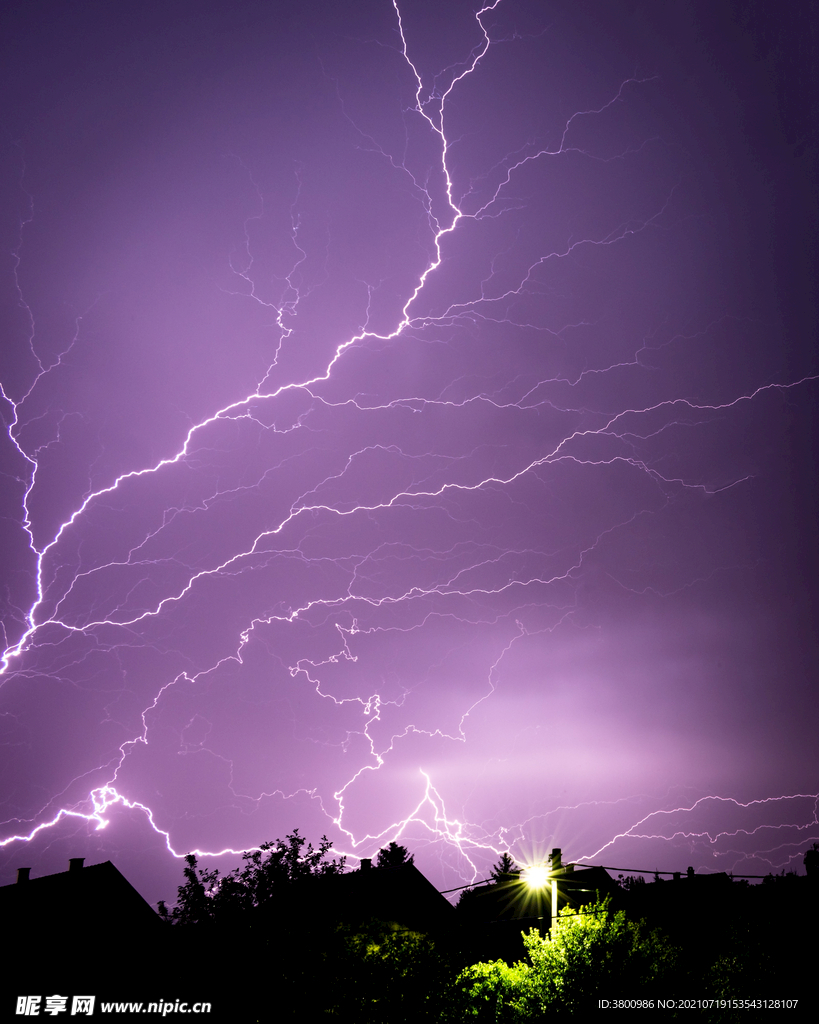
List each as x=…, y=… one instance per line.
x=556, y=865
x=538, y=876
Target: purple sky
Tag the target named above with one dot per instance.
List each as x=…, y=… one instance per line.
x=408, y=437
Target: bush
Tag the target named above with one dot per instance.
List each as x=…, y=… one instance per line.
x=592, y=953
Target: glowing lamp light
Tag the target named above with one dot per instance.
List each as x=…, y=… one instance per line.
x=536, y=876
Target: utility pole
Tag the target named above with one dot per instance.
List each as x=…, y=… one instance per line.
x=555, y=866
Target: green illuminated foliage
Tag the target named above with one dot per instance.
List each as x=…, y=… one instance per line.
x=495, y=992
x=593, y=951
x=380, y=973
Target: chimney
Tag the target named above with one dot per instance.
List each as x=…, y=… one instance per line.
x=75, y=863
x=22, y=874
x=554, y=858
x=366, y=863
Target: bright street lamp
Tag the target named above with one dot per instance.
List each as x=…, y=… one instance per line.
x=538, y=876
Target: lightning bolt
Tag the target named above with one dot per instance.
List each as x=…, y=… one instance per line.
x=351, y=531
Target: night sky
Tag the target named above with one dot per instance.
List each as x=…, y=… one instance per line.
x=409, y=433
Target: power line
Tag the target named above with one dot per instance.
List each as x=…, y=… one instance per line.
x=566, y=877
x=468, y=885
x=705, y=874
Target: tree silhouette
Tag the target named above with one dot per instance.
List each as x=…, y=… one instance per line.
x=196, y=901
x=393, y=856
x=207, y=897
x=504, y=868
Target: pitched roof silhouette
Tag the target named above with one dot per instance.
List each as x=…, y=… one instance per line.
x=53, y=904
x=400, y=894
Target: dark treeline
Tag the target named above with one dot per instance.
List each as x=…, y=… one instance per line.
x=292, y=935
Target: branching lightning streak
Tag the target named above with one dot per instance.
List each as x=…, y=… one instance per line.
x=802, y=830
x=120, y=604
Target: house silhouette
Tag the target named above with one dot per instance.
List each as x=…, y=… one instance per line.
x=75, y=926
x=401, y=895
x=54, y=904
